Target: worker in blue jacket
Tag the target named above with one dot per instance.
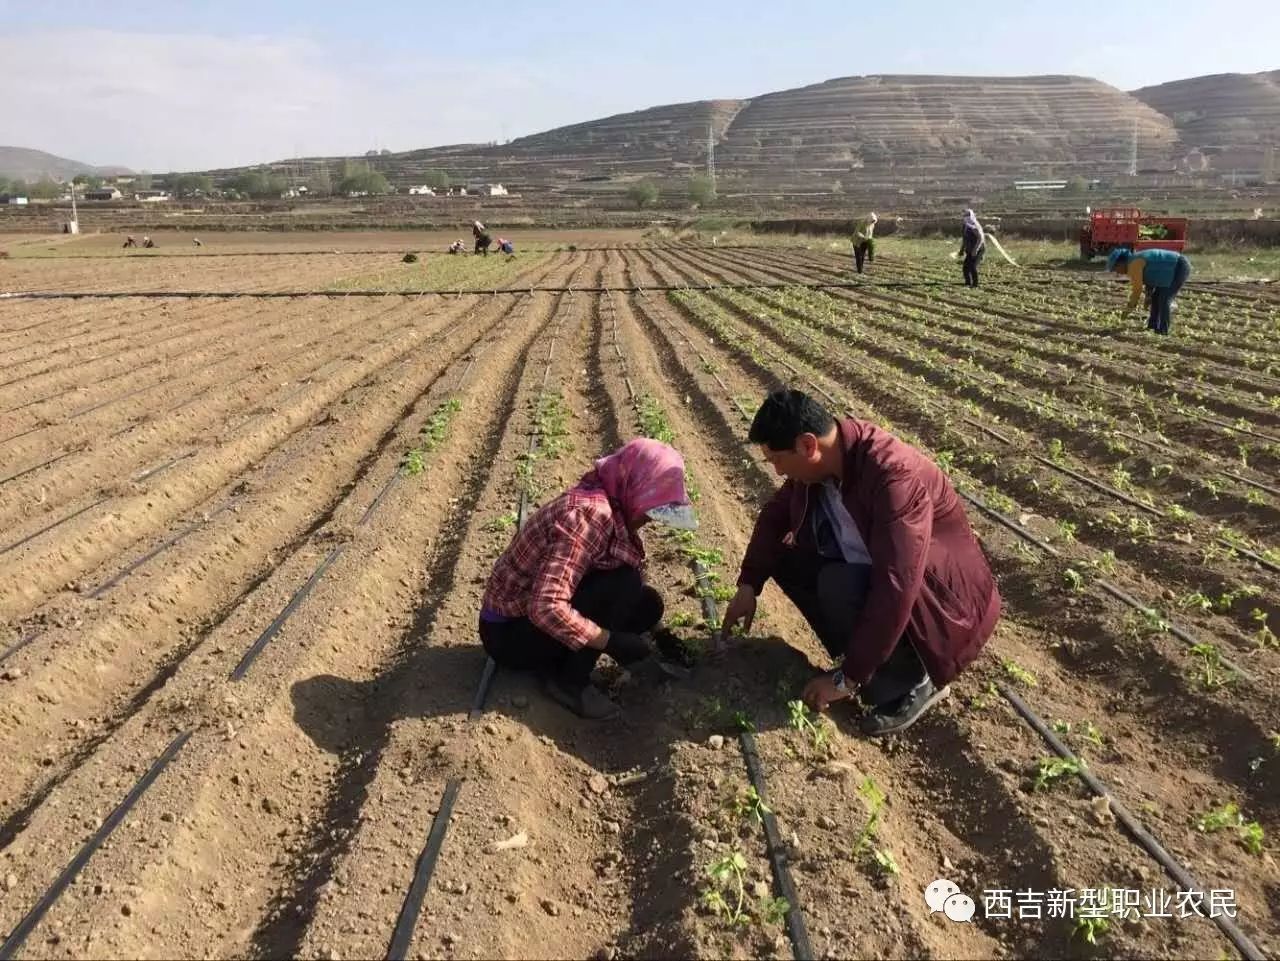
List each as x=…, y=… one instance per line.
x=1161, y=272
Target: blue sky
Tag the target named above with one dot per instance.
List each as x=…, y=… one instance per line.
x=193, y=85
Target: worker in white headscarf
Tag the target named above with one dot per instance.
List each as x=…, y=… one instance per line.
x=864, y=243
x=973, y=246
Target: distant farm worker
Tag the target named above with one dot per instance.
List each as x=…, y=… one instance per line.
x=1161, y=272
x=973, y=247
x=483, y=240
x=148, y=242
x=129, y=241
x=195, y=242
x=864, y=243
x=456, y=247
x=506, y=246
x=569, y=587
x=870, y=542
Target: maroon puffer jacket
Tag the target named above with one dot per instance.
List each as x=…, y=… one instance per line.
x=930, y=581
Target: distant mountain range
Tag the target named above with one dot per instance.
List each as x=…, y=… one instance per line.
x=25, y=164
x=939, y=134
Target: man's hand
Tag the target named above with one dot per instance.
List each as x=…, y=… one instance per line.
x=821, y=691
x=741, y=608
x=600, y=641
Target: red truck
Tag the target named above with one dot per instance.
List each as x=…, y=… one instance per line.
x=1126, y=227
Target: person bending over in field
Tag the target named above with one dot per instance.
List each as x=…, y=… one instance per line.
x=1161, y=273
x=870, y=542
x=864, y=242
x=569, y=587
x=973, y=247
x=455, y=247
x=506, y=247
x=483, y=240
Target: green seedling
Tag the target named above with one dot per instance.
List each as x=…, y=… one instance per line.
x=809, y=724
x=728, y=877
x=1091, y=930
x=1264, y=636
x=1105, y=563
x=1019, y=674
x=742, y=722
x=501, y=524
x=1227, y=816
x=683, y=619
x=1212, y=673
x=874, y=799
x=749, y=803
x=1197, y=601
x=1252, y=836
x=1075, y=580
x=1274, y=738
x=772, y=910
x=653, y=420
x=1067, y=530
x=1057, y=453
x=885, y=862
x=1227, y=599
x=414, y=463
x=1050, y=770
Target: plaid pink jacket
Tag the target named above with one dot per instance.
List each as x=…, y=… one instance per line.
x=538, y=573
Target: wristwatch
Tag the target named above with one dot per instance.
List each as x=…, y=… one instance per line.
x=837, y=681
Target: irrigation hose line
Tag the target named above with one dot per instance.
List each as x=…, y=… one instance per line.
x=406, y=922
x=69, y=873
x=1172, y=865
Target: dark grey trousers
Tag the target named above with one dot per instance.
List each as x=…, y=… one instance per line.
x=830, y=595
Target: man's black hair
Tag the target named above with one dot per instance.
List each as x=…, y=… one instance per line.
x=785, y=415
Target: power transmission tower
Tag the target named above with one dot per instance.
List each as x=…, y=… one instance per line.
x=711, y=155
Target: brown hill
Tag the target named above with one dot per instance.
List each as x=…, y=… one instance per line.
x=1225, y=121
x=26, y=164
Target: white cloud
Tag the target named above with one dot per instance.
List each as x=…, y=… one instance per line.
x=163, y=101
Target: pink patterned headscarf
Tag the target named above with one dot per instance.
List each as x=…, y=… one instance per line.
x=639, y=476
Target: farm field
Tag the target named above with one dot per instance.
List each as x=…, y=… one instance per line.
x=243, y=706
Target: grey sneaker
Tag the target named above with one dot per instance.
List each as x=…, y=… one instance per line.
x=896, y=716
x=588, y=702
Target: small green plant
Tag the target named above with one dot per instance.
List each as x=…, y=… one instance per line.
x=682, y=619
x=1229, y=817
x=807, y=723
x=1264, y=636
x=500, y=524
x=1274, y=738
x=772, y=910
x=1105, y=563
x=1075, y=580
x=1050, y=770
x=653, y=420
x=1091, y=929
x=885, y=862
x=742, y=721
x=1019, y=674
x=1212, y=673
x=874, y=799
x=1067, y=531
x=749, y=803
x=1252, y=836
x=727, y=876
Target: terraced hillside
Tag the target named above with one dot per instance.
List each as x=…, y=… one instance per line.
x=1229, y=119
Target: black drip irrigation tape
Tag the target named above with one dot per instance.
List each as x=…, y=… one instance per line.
x=18, y=645
x=786, y=887
x=1172, y=865
x=164, y=545
x=58, y=523
x=412, y=907
x=68, y=875
x=796, y=930
x=402, y=936
x=274, y=627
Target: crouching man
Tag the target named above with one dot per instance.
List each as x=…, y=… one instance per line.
x=869, y=540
